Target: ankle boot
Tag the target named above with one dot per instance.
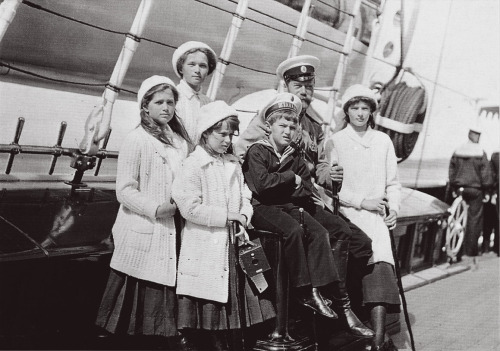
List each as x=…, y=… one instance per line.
x=386, y=346
x=340, y=295
x=312, y=299
x=185, y=343
x=219, y=341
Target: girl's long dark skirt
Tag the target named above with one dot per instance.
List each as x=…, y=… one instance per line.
x=380, y=286
x=198, y=313
x=137, y=307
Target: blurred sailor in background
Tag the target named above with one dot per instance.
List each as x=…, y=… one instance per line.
x=469, y=169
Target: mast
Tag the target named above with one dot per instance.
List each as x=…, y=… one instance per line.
x=8, y=10
x=301, y=29
x=238, y=18
x=339, y=74
x=298, y=38
x=436, y=80
x=98, y=122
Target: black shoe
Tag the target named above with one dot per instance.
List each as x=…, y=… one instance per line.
x=185, y=344
x=219, y=341
x=386, y=346
x=357, y=327
x=389, y=346
x=313, y=300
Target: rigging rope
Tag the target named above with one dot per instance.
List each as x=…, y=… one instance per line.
x=408, y=106
x=102, y=84
x=41, y=8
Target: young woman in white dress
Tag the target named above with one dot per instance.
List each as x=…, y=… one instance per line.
x=369, y=189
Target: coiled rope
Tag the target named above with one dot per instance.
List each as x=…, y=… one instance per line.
x=407, y=107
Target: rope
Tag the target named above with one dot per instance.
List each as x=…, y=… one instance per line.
x=336, y=8
x=103, y=84
x=284, y=22
x=41, y=8
x=404, y=104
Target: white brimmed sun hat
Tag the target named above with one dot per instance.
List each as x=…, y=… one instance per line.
x=187, y=46
x=151, y=82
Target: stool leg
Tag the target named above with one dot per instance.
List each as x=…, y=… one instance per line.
x=315, y=330
x=280, y=339
x=282, y=298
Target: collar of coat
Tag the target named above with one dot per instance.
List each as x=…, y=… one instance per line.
x=204, y=158
x=365, y=140
x=160, y=147
x=314, y=115
x=186, y=90
x=469, y=149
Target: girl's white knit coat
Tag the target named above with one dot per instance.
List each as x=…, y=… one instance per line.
x=145, y=247
x=206, y=191
x=370, y=171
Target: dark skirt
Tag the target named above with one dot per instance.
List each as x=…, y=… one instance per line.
x=209, y=315
x=137, y=307
x=380, y=286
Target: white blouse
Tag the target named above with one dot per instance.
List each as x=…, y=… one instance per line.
x=188, y=108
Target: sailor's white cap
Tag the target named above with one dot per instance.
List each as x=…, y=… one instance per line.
x=213, y=113
x=190, y=45
x=301, y=68
x=358, y=90
x=281, y=102
x=151, y=82
x=475, y=129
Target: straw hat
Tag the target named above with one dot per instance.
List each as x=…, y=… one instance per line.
x=212, y=113
x=190, y=45
x=151, y=82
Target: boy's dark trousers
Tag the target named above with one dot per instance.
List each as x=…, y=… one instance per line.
x=310, y=260
x=346, y=240
x=340, y=228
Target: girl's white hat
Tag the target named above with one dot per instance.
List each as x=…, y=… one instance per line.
x=358, y=90
x=212, y=113
x=150, y=82
x=189, y=45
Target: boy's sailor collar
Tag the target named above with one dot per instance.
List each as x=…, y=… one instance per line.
x=267, y=143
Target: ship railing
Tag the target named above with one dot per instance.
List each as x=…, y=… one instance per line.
x=80, y=161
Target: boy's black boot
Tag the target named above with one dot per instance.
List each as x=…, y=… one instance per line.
x=311, y=298
x=340, y=295
x=185, y=341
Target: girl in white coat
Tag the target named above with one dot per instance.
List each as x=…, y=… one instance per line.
x=370, y=185
x=140, y=295
x=193, y=62
x=210, y=193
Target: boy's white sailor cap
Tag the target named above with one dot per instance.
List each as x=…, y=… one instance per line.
x=301, y=68
x=475, y=129
x=281, y=102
